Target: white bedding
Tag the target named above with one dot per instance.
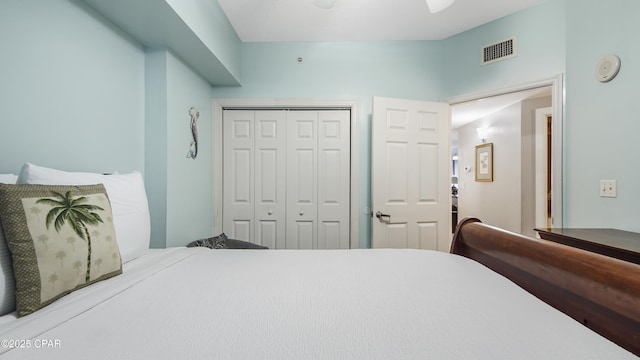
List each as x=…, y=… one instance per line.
x=196, y=303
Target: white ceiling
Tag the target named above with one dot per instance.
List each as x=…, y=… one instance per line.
x=360, y=20
x=464, y=113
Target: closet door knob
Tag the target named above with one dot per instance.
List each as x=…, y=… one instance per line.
x=269, y=212
x=301, y=213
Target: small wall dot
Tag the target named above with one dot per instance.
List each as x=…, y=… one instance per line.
x=300, y=60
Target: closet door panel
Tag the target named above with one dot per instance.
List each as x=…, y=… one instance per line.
x=329, y=235
x=241, y=230
x=267, y=234
x=238, y=177
x=270, y=180
x=334, y=179
x=302, y=183
x=303, y=236
x=242, y=173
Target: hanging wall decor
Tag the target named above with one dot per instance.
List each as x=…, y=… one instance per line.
x=484, y=162
x=193, y=148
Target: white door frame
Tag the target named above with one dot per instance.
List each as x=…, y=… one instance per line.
x=557, y=103
x=541, y=166
x=219, y=105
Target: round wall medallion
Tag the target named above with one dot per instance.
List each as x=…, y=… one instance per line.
x=607, y=68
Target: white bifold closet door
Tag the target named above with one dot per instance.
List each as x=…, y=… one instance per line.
x=254, y=176
x=286, y=178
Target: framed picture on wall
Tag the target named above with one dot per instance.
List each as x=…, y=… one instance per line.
x=484, y=162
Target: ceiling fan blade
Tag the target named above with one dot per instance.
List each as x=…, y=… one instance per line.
x=438, y=5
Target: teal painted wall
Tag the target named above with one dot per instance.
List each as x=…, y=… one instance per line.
x=207, y=20
x=156, y=143
x=189, y=181
x=540, y=32
x=569, y=37
x=602, y=121
x=78, y=94
x=352, y=70
x=180, y=190
x=71, y=89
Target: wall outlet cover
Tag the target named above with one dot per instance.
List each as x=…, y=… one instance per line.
x=608, y=188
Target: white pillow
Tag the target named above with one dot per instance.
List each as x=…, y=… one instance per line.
x=7, y=282
x=128, y=202
x=8, y=178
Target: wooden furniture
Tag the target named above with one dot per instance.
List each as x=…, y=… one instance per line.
x=601, y=292
x=454, y=213
x=619, y=244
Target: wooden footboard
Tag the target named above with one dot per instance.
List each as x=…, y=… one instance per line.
x=602, y=293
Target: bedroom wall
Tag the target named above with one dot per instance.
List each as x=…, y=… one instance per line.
x=72, y=89
x=352, y=70
x=602, y=120
x=156, y=143
x=180, y=189
x=207, y=20
x=75, y=93
x=189, y=181
x=540, y=32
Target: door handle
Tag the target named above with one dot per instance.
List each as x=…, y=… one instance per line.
x=380, y=215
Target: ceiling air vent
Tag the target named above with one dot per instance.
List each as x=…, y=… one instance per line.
x=501, y=50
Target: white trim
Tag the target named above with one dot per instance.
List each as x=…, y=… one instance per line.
x=558, y=105
x=238, y=103
x=541, y=165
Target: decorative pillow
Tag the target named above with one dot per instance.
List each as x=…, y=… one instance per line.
x=216, y=242
x=7, y=284
x=128, y=201
x=239, y=244
x=61, y=239
x=223, y=242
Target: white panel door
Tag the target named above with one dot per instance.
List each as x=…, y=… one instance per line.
x=239, y=175
x=333, y=183
x=270, y=179
x=410, y=174
x=302, y=179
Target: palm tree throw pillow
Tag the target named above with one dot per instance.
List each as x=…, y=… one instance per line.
x=61, y=239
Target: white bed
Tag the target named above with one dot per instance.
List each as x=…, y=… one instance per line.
x=197, y=303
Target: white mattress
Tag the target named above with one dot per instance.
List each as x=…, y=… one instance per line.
x=343, y=304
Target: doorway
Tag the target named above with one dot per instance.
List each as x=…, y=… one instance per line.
x=529, y=178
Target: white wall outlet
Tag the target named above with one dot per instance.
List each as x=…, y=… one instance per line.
x=608, y=188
